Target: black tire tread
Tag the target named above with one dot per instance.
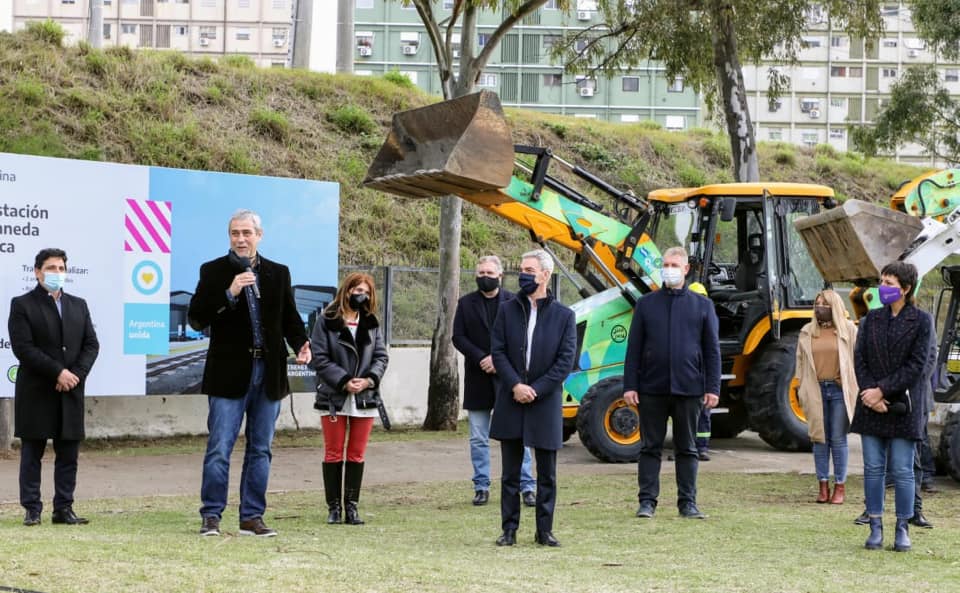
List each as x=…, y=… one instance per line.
x=588, y=424
x=764, y=409
x=949, y=449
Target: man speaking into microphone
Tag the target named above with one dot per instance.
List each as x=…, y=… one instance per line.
x=247, y=302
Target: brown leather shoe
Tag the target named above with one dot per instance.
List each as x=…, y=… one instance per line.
x=256, y=527
x=839, y=494
x=824, y=495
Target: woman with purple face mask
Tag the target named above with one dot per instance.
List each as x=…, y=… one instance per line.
x=892, y=365
x=828, y=389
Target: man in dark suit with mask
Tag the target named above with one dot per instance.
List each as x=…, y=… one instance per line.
x=472, y=323
x=534, y=346
x=52, y=336
x=247, y=302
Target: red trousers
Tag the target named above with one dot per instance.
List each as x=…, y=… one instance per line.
x=335, y=434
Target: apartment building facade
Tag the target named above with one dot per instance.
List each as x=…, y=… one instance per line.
x=260, y=29
x=842, y=81
x=390, y=36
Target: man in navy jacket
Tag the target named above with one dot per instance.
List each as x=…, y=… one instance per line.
x=533, y=344
x=672, y=367
x=471, y=336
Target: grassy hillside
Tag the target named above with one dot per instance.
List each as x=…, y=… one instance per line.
x=168, y=110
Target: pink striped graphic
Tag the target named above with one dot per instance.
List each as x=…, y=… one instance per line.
x=147, y=223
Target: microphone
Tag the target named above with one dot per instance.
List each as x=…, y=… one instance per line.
x=245, y=263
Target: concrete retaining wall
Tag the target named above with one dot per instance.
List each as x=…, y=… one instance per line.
x=404, y=391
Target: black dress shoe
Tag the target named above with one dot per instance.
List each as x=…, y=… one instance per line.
x=481, y=498
x=918, y=520
x=863, y=519
x=507, y=538
x=31, y=518
x=545, y=538
x=690, y=511
x=66, y=516
x=529, y=498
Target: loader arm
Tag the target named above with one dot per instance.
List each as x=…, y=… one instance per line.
x=463, y=147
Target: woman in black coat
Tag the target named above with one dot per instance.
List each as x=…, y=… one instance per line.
x=350, y=358
x=890, y=356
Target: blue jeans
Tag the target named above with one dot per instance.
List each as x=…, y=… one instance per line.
x=223, y=423
x=835, y=425
x=901, y=453
x=479, y=421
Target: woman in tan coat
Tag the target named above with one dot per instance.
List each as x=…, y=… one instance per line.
x=828, y=389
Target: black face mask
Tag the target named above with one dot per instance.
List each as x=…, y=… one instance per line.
x=527, y=283
x=487, y=284
x=824, y=314
x=359, y=301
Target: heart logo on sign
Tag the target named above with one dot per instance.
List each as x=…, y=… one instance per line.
x=148, y=278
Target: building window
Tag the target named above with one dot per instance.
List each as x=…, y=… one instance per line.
x=889, y=10
x=676, y=86
x=810, y=138
x=107, y=2
x=243, y=34
x=550, y=40
x=181, y=30
x=364, y=4
x=838, y=71
x=68, y=1
x=855, y=72
x=487, y=79
x=550, y=5
x=281, y=4
x=552, y=80
x=208, y=32
x=775, y=134
x=631, y=84
x=204, y=3
x=482, y=39
x=839, y=41
x=889, y=72
x=128, y=29
x=106, y=30
x=243, y=3
x=775, y=105
x=448, y=4
x=580, y=44
x=629, y=118
x=279, y=34
x=410, y=43
x=837, y=133
x=810, y=42
x=808, y=105
x=889, y=43
x=838, y=102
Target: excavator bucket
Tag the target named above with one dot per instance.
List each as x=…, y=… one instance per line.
x=855, y=240
x=454, y=147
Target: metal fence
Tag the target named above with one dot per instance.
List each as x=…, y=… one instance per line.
x=408, y=298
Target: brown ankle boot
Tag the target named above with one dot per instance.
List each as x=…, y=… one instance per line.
x=839, y=492
x=824, y=495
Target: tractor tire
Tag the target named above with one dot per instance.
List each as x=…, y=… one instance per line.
x=569, y=427
x=608, y=427
x=729, y=425
x=771, y=400
x=949, y=449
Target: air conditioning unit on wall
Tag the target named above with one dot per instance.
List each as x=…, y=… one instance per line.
x=409, y=50
x=814, y=113
x=204, y=42
x=278, y=42
x=914, y=53
x=583, y=15
x=365, y=52
x=586, y=92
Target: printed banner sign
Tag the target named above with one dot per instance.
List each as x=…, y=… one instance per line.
x=135, y=238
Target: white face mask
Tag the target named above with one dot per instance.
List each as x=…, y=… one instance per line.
x=672, y=277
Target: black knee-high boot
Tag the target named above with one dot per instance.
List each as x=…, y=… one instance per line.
x=333, y=488
x=352, y=479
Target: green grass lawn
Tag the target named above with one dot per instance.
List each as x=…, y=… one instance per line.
x=764, y=534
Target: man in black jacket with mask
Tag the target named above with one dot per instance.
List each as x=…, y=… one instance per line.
x=671, y=369
x=471, y=336
x=534, y=346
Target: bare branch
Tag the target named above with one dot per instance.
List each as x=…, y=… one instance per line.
x=523, y=10
x=433, y=32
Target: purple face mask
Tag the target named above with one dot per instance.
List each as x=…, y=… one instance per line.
x=889, y=294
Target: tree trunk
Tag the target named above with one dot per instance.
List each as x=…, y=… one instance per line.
x=346, y=42
x=6, y=423
x=443, y=395
x=733, y=95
